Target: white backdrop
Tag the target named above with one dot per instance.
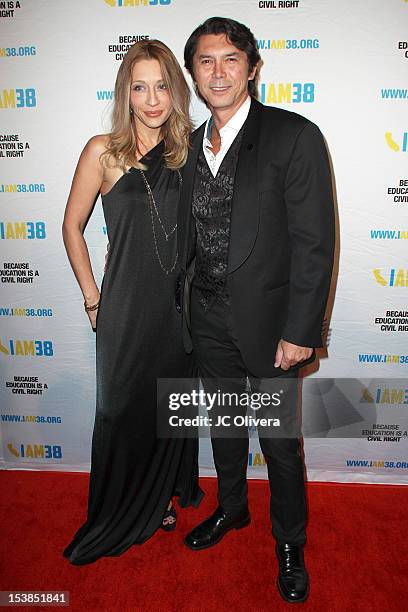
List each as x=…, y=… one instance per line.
x=341, y=64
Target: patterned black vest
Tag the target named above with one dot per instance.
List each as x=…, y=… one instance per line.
x=212, y=200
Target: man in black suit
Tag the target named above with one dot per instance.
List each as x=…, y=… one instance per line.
x=256, y=240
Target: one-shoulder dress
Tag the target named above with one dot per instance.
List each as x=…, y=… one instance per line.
x=134, y=473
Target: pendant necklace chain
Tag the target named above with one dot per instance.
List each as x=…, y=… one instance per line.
x=153, y=207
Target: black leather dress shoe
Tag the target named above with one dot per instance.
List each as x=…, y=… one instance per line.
x=293, y=579
x=213, y=529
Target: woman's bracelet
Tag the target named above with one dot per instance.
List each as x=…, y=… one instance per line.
x=91, y=308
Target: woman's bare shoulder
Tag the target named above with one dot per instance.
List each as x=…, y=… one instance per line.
x=97, y=145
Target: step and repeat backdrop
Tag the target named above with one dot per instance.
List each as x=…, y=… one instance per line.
x=341, y=64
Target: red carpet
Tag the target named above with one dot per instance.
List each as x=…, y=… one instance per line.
x=357, y=552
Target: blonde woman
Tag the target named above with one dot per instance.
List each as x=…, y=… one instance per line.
x=136, y=169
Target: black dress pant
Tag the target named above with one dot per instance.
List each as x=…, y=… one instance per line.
x=219, y=358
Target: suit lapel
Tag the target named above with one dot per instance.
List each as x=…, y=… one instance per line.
x=245, y=203
x=184, y=211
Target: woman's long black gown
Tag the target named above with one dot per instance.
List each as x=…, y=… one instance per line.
x=133, y=472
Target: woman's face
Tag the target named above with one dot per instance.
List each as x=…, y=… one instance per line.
x=149, y=96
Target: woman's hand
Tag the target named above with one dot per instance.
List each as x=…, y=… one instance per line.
x=92, y=317
x=91, y=309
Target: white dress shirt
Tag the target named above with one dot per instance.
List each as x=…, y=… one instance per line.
x=228, y=134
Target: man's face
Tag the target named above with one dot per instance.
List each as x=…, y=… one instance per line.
x=221, y=72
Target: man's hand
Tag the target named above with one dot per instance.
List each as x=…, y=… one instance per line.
x=288, y=354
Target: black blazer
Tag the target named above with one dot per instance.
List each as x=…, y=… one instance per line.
x=282, y=236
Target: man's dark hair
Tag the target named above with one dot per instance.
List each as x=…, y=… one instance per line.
x=237, y=33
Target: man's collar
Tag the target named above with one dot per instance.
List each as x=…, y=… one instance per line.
x=235, y=123
x=238, y=119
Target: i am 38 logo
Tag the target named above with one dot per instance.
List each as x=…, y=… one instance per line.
x=27, y=348
x=18, y=98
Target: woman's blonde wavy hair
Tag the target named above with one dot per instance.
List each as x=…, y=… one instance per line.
x=122, y=147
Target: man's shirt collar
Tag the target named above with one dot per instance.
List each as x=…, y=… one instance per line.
x=234, y=124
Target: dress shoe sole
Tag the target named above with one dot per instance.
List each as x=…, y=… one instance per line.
x=239, y=525
x=288, y=599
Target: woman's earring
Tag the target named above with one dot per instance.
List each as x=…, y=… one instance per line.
x=130, y=110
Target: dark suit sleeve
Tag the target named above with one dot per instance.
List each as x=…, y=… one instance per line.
x=310, y=213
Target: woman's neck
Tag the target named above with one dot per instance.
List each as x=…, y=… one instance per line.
x=147, y=138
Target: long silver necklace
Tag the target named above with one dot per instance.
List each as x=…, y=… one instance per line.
x=153, y=207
